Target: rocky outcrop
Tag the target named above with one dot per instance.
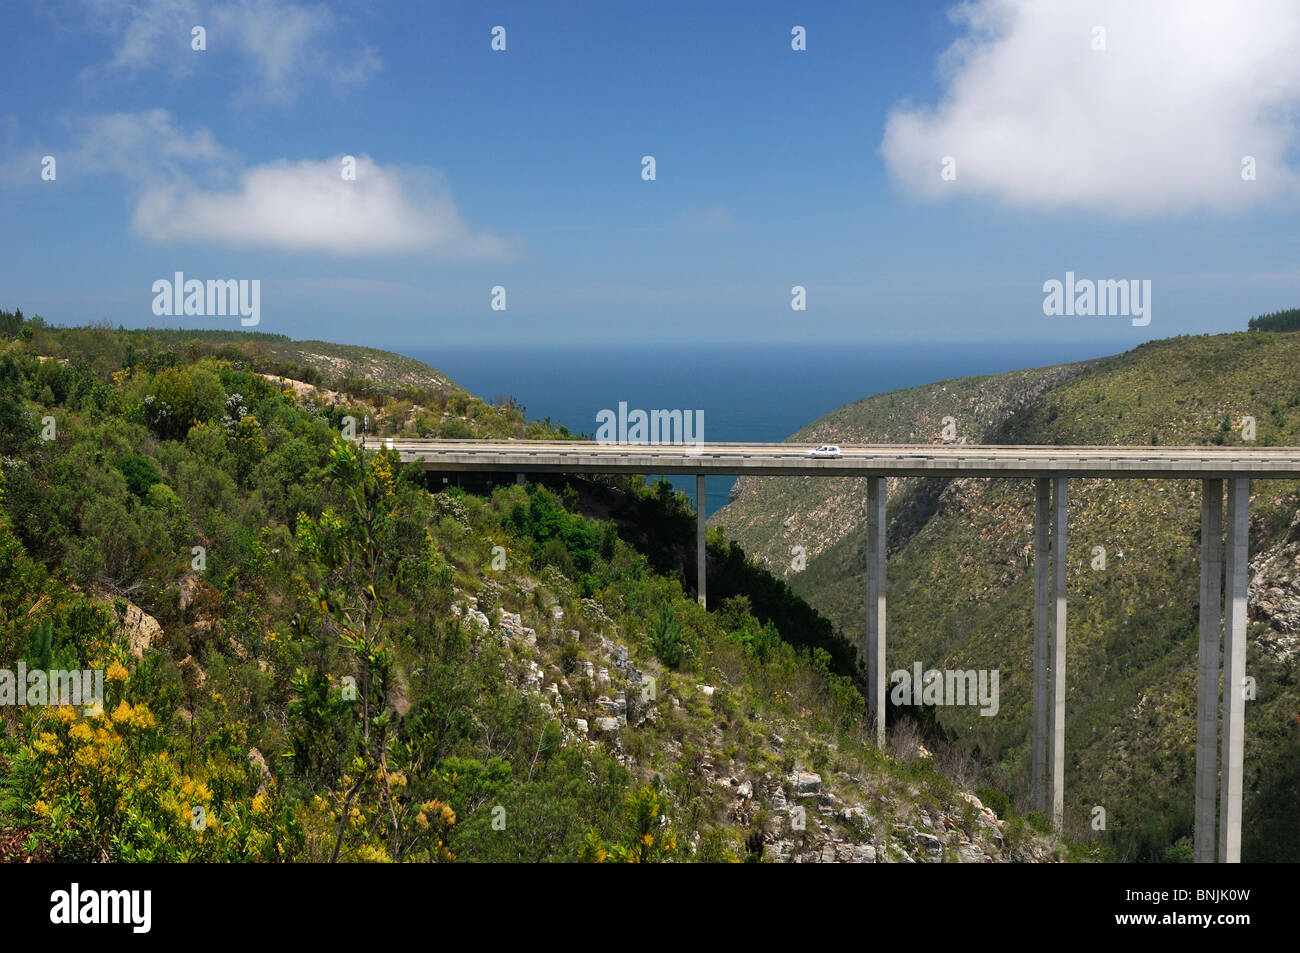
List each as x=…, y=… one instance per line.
x=1273, y=595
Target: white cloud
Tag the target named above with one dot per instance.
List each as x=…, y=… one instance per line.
x=308, y=206
x=287, y=42
x=138, y=147
x=144, y=145
x=188, y=188
x=145, y=34
x=1158, y=122
x=279, y=45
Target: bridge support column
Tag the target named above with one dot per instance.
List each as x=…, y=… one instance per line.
x=1207, y=690
x=876, y=499
x=1056, y=656
x=701, y=559
x=1042, y=576
x=1234, y=669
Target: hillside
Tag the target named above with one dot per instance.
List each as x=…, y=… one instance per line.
x=401, y=395
x=960, y=576
x=309, y=653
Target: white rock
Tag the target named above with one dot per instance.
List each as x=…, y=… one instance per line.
x=806, y=782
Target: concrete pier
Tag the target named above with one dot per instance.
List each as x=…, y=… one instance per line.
x=1056, y=657
x=1042, y=575
x=876, y=605
x=701, y=556
x=1236, y=566
x=1207, y=685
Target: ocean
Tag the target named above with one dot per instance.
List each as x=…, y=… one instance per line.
x=748, y=392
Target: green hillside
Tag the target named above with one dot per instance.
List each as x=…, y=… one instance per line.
x=960, y=578
x=310, y=653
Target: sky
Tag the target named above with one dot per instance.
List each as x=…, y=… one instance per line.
x=920, y=169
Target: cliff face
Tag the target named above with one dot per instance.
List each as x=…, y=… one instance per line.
x=960, y=573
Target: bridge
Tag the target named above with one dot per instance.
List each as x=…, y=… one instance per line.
x=1224, y=565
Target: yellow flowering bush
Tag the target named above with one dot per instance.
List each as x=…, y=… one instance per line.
x=104, y=791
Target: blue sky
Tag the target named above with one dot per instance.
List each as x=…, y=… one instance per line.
x=774, y=167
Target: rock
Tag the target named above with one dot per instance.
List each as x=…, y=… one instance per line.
x=987, y=819
x=140, y=628
x=188, y=588
x=805, y=782
x=192, y=672
x=399, y=692
x=828, y=803
x=708, y=690
x=972, y=800
x=745, y=790
x=580, y=724
x=608, y=725
x=602, y=676
x=779, y=851
x=845, y=853
x=931, y=845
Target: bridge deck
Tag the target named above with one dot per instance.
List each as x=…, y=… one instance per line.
x=788, y=459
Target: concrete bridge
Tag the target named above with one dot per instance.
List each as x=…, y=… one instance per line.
x=1224, y=565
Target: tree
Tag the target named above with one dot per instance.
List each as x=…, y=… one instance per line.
x=666, y=638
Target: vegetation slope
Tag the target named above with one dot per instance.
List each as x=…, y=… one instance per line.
x=310, y=653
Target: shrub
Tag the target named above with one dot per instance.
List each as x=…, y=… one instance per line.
x=666, y=638
x=140, y=473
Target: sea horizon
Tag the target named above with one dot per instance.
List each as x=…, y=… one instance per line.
x=759, y=391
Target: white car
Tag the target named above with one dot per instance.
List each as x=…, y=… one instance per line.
x=828, y=450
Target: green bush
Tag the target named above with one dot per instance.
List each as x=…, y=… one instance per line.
x=666, y=638
x=140, y=473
